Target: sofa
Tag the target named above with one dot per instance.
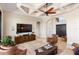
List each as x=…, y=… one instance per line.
x=76, y=48
x=13, y=51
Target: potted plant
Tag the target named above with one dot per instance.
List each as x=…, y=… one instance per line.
x=7, y=42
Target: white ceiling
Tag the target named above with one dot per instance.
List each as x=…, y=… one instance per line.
x=8, y=6
x=33, y=8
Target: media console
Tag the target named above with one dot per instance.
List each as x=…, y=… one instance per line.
x=24, y=38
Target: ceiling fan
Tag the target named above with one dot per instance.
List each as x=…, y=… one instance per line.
x=48, y=11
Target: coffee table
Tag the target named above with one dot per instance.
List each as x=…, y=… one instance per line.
x=49, y=51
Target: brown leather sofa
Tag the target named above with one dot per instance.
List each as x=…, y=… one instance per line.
x=52, y=40
x=76, y=45
x=76, y=48
x=12, y=51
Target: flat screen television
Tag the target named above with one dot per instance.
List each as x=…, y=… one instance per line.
x=22, y=28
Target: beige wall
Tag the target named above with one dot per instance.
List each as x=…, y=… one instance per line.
x=72, y=26
x=44, y=26
x=48, y=26
x=11, y=19
x=72, y=19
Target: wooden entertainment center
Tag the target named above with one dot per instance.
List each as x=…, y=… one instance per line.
x=24, y=38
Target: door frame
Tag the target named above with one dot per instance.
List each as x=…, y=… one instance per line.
x=1, y=23
x=61, y=24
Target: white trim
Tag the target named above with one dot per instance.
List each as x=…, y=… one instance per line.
x=1, y=22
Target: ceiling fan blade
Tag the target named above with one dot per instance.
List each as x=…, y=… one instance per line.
x=41, y=10
x=50, y=9
x=51, y=12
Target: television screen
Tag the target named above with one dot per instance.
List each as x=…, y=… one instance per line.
x=22, y=28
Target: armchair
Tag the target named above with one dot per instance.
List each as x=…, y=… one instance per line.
x=52, y=40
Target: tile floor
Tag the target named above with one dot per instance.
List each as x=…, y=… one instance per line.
x=32, y=45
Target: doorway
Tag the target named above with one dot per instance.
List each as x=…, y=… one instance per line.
x=38, y=28
x=61, y=30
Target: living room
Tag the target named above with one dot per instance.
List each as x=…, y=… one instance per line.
x=42, y=24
